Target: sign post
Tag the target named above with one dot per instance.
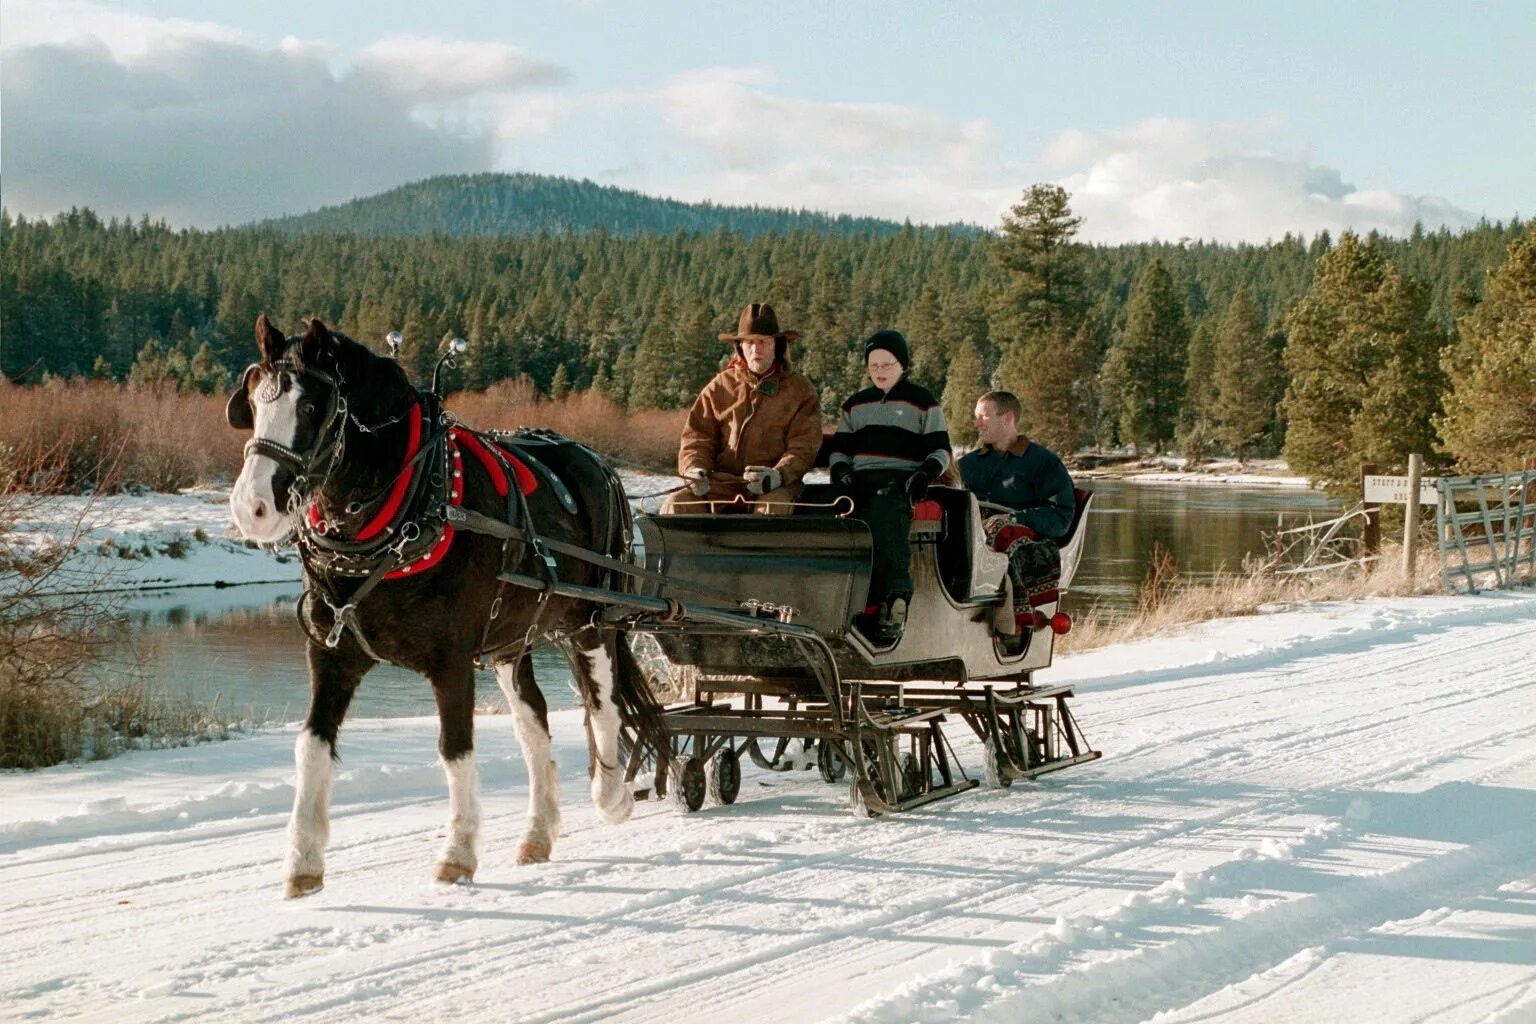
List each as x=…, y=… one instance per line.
x=1411, y=518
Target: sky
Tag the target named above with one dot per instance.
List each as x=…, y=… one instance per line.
x=1225, y=121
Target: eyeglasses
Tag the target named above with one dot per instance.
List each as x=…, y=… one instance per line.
x=882, y=367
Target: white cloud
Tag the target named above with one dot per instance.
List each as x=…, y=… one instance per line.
x=193, y=124
x=432, y=68
x=1171, y=178
x=725, y=110
x=128, y=36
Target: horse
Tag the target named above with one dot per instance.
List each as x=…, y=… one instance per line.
x=403, y=540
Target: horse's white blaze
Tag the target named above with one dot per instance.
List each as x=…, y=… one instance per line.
x=310, y=827
x=543, y=791
x=463, y=813
x=612, y=797
x=253, y=500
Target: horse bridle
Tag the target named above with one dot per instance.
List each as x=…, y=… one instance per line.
x=327, y=445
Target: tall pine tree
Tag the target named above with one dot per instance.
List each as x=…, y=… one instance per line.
x=1363, y=358
x=1245, y=378
x=1147, y=364
x=1490, y=412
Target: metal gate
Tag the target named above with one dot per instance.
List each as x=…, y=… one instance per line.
x=1486, y=527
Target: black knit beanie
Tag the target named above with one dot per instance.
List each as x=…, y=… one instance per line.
x=892, y=342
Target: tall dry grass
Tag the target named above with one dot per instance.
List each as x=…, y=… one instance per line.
x=89, y=435
x=1167, y=603
x=646, y=439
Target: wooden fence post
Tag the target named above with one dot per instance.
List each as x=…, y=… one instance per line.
x=1411, y=518
x=1372, y=535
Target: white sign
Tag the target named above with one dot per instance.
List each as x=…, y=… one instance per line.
x=1393, y=490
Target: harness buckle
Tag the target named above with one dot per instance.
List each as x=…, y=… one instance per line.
x=455, y=514
x=339, y=617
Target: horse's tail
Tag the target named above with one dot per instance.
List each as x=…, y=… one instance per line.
x=632, y=693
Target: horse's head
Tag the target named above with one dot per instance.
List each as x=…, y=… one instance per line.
x=297, y=401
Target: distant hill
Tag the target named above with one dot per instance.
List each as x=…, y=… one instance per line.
x=526, y=204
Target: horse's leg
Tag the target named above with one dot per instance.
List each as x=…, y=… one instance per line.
x=454, y=688
x=595, y=662
x=333, y=677
x=531, y=716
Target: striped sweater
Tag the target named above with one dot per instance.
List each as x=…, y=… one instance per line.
x=891, y=430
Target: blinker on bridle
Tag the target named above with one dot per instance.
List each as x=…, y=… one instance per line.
x=327, y=443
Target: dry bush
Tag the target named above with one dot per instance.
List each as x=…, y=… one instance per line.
x=57, y=621
x=646, y=439
x=1179, y=604
x=65, y=437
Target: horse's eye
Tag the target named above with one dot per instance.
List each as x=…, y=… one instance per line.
x=308, y=408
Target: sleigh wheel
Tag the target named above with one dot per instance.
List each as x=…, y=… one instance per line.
x=687, y=785
x=830, y=761
x=724, y=776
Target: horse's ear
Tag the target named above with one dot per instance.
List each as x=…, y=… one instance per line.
x=269, y=340
x=238, y=412
x=315, y=341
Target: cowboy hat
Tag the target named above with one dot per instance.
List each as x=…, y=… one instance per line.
x=758, y=320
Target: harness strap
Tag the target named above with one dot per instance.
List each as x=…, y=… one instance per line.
x=475, y=522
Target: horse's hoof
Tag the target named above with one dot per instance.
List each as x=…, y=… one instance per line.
x=619, y=810
x=451, y=872
x=303, y=885
x=533, y=851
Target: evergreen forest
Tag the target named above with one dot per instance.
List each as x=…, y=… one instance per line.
x=1329, y=351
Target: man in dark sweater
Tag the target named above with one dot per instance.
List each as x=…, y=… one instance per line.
x=1009, y=469
x=891, y=444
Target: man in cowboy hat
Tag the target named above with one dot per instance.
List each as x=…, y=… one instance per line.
x=754, y=430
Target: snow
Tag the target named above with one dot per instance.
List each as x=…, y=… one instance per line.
x=1317, y=814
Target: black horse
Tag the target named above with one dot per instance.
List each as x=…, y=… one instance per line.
x=404, y=522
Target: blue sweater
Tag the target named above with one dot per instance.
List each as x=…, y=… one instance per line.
x=1027, y=478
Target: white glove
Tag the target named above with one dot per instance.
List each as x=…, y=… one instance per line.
x=698, y=481
x=762, y=479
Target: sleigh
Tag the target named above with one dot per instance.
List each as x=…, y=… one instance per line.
x=764, y=614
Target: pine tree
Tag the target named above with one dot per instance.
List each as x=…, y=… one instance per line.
x=1245, y=379
x=1036, y=247
x=1490, y=412
x=965, y=385
x=1362, y=355
x=560, y=385
x=1041, y=307
x=1147, y=365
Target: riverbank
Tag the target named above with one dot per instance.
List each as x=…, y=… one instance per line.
x=167, y=541
x=1298, y=814
x=1174, y=469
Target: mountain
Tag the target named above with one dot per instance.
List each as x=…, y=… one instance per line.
x=526, y=204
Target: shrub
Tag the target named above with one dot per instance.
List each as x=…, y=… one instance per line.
x=83, y=435
x=646, y=439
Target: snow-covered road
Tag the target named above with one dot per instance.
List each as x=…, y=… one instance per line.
x=1320, y=814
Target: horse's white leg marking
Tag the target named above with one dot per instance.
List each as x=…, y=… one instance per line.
x=459, y=861
x=253, y=499
x=310, y=827
x=543, y=787
x=613, y=799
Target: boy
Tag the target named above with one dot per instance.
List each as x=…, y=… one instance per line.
x=891, y=444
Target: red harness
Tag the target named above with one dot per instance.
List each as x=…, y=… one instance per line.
x=458, y=439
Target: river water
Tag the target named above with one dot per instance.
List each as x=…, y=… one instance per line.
x=242, y=645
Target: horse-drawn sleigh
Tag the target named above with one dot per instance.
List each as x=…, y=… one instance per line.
x=427, y=544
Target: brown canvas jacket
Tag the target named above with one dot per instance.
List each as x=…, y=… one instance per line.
x=733, y=424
